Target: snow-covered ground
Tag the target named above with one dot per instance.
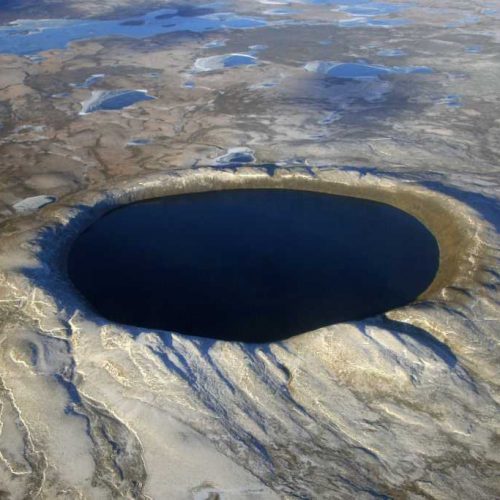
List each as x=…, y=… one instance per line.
x=393, y=101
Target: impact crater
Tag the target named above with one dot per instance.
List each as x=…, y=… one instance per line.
x=251, y=265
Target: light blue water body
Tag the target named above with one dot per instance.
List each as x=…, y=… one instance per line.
x=238, y=156
x=31, y=36
x=391, y=53
x=371, y=9
x=331, y=2
x=355, y=71
x=214, y=63
x=234, y=60
x=112, y=100
x=374, y=22
x=91, y=80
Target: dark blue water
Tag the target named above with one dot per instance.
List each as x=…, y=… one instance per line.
x=251, y=265
x=122, y=100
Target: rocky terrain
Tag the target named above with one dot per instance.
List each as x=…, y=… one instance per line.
x=102, y=103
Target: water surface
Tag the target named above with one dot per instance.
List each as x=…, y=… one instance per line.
x=251, y=265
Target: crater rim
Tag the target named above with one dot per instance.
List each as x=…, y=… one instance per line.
x=437, y=212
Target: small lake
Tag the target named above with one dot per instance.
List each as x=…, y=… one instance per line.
x=251, y=265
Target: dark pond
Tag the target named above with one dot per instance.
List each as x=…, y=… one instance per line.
x=251, y=265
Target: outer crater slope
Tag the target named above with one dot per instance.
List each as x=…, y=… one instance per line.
x=385, y=394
